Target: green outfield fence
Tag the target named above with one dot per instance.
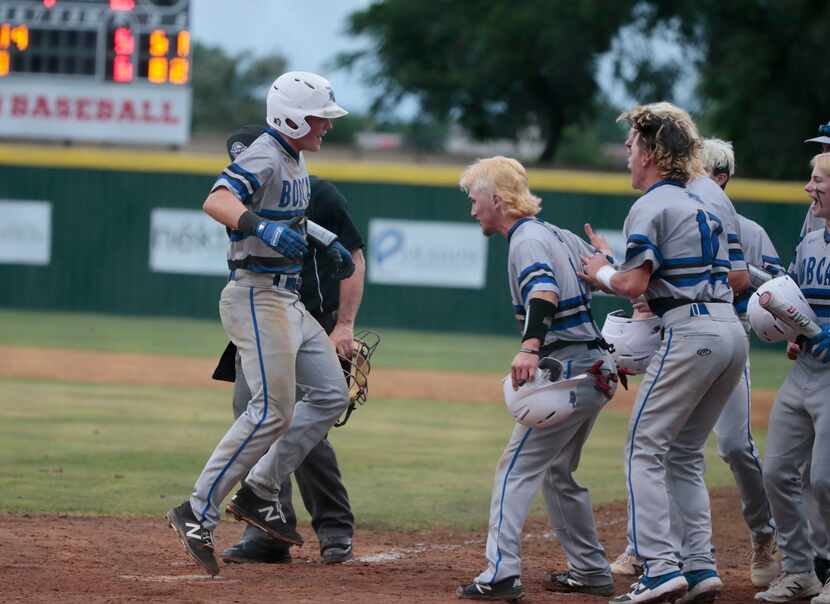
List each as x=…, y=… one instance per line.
x=101, y=203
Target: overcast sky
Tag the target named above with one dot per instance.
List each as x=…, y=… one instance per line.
x=307, y=33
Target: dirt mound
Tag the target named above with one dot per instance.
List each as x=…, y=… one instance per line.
x=71, y=560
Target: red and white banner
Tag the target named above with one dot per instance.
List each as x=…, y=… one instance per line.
x=72, y=109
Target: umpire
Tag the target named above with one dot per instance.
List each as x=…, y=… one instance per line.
x=334, y=304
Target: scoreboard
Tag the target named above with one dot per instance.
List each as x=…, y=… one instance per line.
x=97, y=70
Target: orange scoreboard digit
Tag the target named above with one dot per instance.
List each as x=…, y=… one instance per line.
x=121, y=41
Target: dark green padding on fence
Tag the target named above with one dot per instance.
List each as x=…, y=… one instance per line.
x=100, y=246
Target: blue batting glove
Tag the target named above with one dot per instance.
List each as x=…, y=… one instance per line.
x=282, y=238
x=819, y=346
x=342, y=260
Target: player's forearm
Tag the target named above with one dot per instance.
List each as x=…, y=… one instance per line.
x=223, y=207
x=351, y=291
x=739, y=281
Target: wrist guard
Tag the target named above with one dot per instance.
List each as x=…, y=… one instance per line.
x=248, y=223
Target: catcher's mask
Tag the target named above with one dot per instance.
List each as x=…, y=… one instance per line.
x=356, y=369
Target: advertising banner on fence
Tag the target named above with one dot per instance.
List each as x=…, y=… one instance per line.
x=25, y=232
x=434, y=254
x=67, y=109
x=187, y=241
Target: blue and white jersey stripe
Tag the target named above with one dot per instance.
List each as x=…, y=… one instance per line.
x=543, y=257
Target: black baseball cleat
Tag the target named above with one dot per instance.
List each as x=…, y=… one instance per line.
x=565, y=582
x=336, y=553
x=197, y=540
x=266, y=515
x=255, y=552
x=508, y=590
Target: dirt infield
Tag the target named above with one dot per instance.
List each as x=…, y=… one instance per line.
x=96, y=560
x=99, y=367
x=71, y=559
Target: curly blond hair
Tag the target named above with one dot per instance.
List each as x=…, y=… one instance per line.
x=505, y=177
x=670, y=135
x=822, y=162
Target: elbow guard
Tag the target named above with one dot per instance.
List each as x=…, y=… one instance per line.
x=538, y=320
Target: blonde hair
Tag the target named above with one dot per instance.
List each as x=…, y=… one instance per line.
x=506, y=178
x=822, y=162
x=670, y=135
x=718, y=156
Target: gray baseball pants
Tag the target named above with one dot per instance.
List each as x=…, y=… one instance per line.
x=737, y=448
x=282, y=349
x=318, y=477
x=546, y=458
x=799, y=435
x=685, y=388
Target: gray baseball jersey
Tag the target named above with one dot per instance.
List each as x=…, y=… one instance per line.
x=270, y=178
x=716, y=199
x=811, y=223
x=539, y=259
x=736, y=445
x=546, y=458
x=687, y=382
x=799, y=429
x=685, y=243
x=759, y=251
x=282, y=348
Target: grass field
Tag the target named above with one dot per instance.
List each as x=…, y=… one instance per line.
x=136, y=450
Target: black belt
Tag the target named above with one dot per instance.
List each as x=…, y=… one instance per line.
x=660, y=306
x=596, y=344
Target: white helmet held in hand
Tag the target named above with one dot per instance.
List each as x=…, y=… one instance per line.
x=766, y=325
x=294, y=96
x=634, y=340
x=546, y=400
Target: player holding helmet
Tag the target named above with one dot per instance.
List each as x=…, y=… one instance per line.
x=261, y=198
x=554, y=309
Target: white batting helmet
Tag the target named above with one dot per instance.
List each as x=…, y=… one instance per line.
x=547, y=400
x=635, y=340
x=294, y=96
x=766, y=325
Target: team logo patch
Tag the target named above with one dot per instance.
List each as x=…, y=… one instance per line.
x=237, y=148
x=703, y=352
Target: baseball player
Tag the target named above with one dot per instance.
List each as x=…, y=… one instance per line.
x=555, y=311
x=318, y=477
x=677, y=256
x=261, y=198
x=799, y=426
x=735, y=443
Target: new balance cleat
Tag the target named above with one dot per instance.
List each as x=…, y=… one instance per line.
x=266, y=515
x=765, y=565
x=336, y=553
x=566, y=583
x=704, y=587
x=668, y=587
x=197, y=540
x=791, y=587
x=824, y=596
x=255, y=552
x=627, y=564
x=508, y=590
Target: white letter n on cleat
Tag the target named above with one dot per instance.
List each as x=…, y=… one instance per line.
x=193, y=530
x=272, y=512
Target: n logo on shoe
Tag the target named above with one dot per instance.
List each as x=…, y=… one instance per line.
x=272, y=512
x=193, y=531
